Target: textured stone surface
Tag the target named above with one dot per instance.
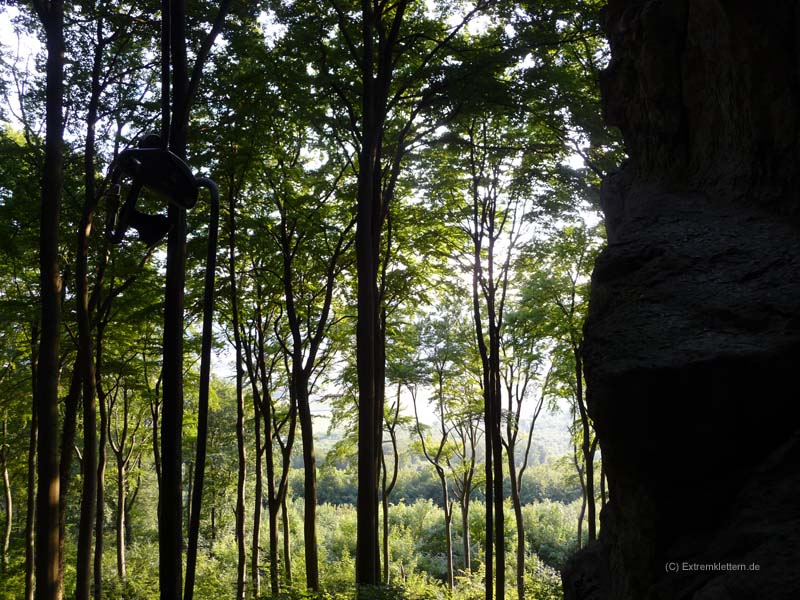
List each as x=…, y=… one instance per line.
x=693, y=340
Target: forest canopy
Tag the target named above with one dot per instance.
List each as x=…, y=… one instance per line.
x=292, y=297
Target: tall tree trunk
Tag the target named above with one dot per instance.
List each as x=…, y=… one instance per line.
x=497, y=447
x=171, y=493
x=434, y=459
x=213, y=528
x=9, y=501
x=387, y=486
x=487, y=380
x=71, y=403
x=30, y=512
x=489, y=490
x=241, y=565
x=101, y=465
x=581, y=478
x=274, y=582
x=448, y=533
x=202, y=403
x=257, y=500
x=121, y=497
x=155, y=412
x=175, y=124
x=368, y=231
x=309, y=480
x=287, y=542
x=517, y=504
x=48, y=494
x=85, y=354
x=273, y=500
x=587, y=447
x=130, y=501
x=170, y=514
x=385, y=548
x=170, y=538
x=465, y=534
x=488, y=406
x=189, y=487
x=262, y=409
x=101, y=497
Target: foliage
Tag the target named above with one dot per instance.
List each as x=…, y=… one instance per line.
x=494, y=102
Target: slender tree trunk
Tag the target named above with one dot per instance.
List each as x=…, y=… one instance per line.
x=448, y=536
x=241, y=566
x=202, y=404
x=272, y=499
x=155, y=411
x=388, y=486
x=385, y=511
x=517, y=504
x=274, y=582
x=310, y=482
x=465, y=534
x=130, y=500
x=581, y=478
x=385, y=490
x=287, y=543
x=85, y=354
x=489, y=492
x=9, y=501
x=586, y=447
x=213, y=528
x=48, y=494
x=446, y=505
x=189, y=488
x=434, y=460
x=31, y=498
x=488, y=387
x=497, y=458
x=71, y=403
x=380, y=397
x=257, y=500
x=121, y=497
x=101, y=465
x=89, y=484
x=101, y=501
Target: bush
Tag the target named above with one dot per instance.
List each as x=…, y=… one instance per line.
x=542, y=582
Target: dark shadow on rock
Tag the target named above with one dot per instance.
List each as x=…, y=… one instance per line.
x=692, y=345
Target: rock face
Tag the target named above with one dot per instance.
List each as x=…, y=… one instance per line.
x=692, y=346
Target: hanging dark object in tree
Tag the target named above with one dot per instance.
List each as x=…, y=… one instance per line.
x=160, y=171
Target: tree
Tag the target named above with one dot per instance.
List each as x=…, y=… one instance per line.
x=123, y=428
x=174, y=127
x=522, y=361
x=307, y=306
x=558, y=291
x=366, y=151
x=51, y=15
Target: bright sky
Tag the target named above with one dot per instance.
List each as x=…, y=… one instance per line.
x=20, y=49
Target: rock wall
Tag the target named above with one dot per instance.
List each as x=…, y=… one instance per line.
x=692, y=345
